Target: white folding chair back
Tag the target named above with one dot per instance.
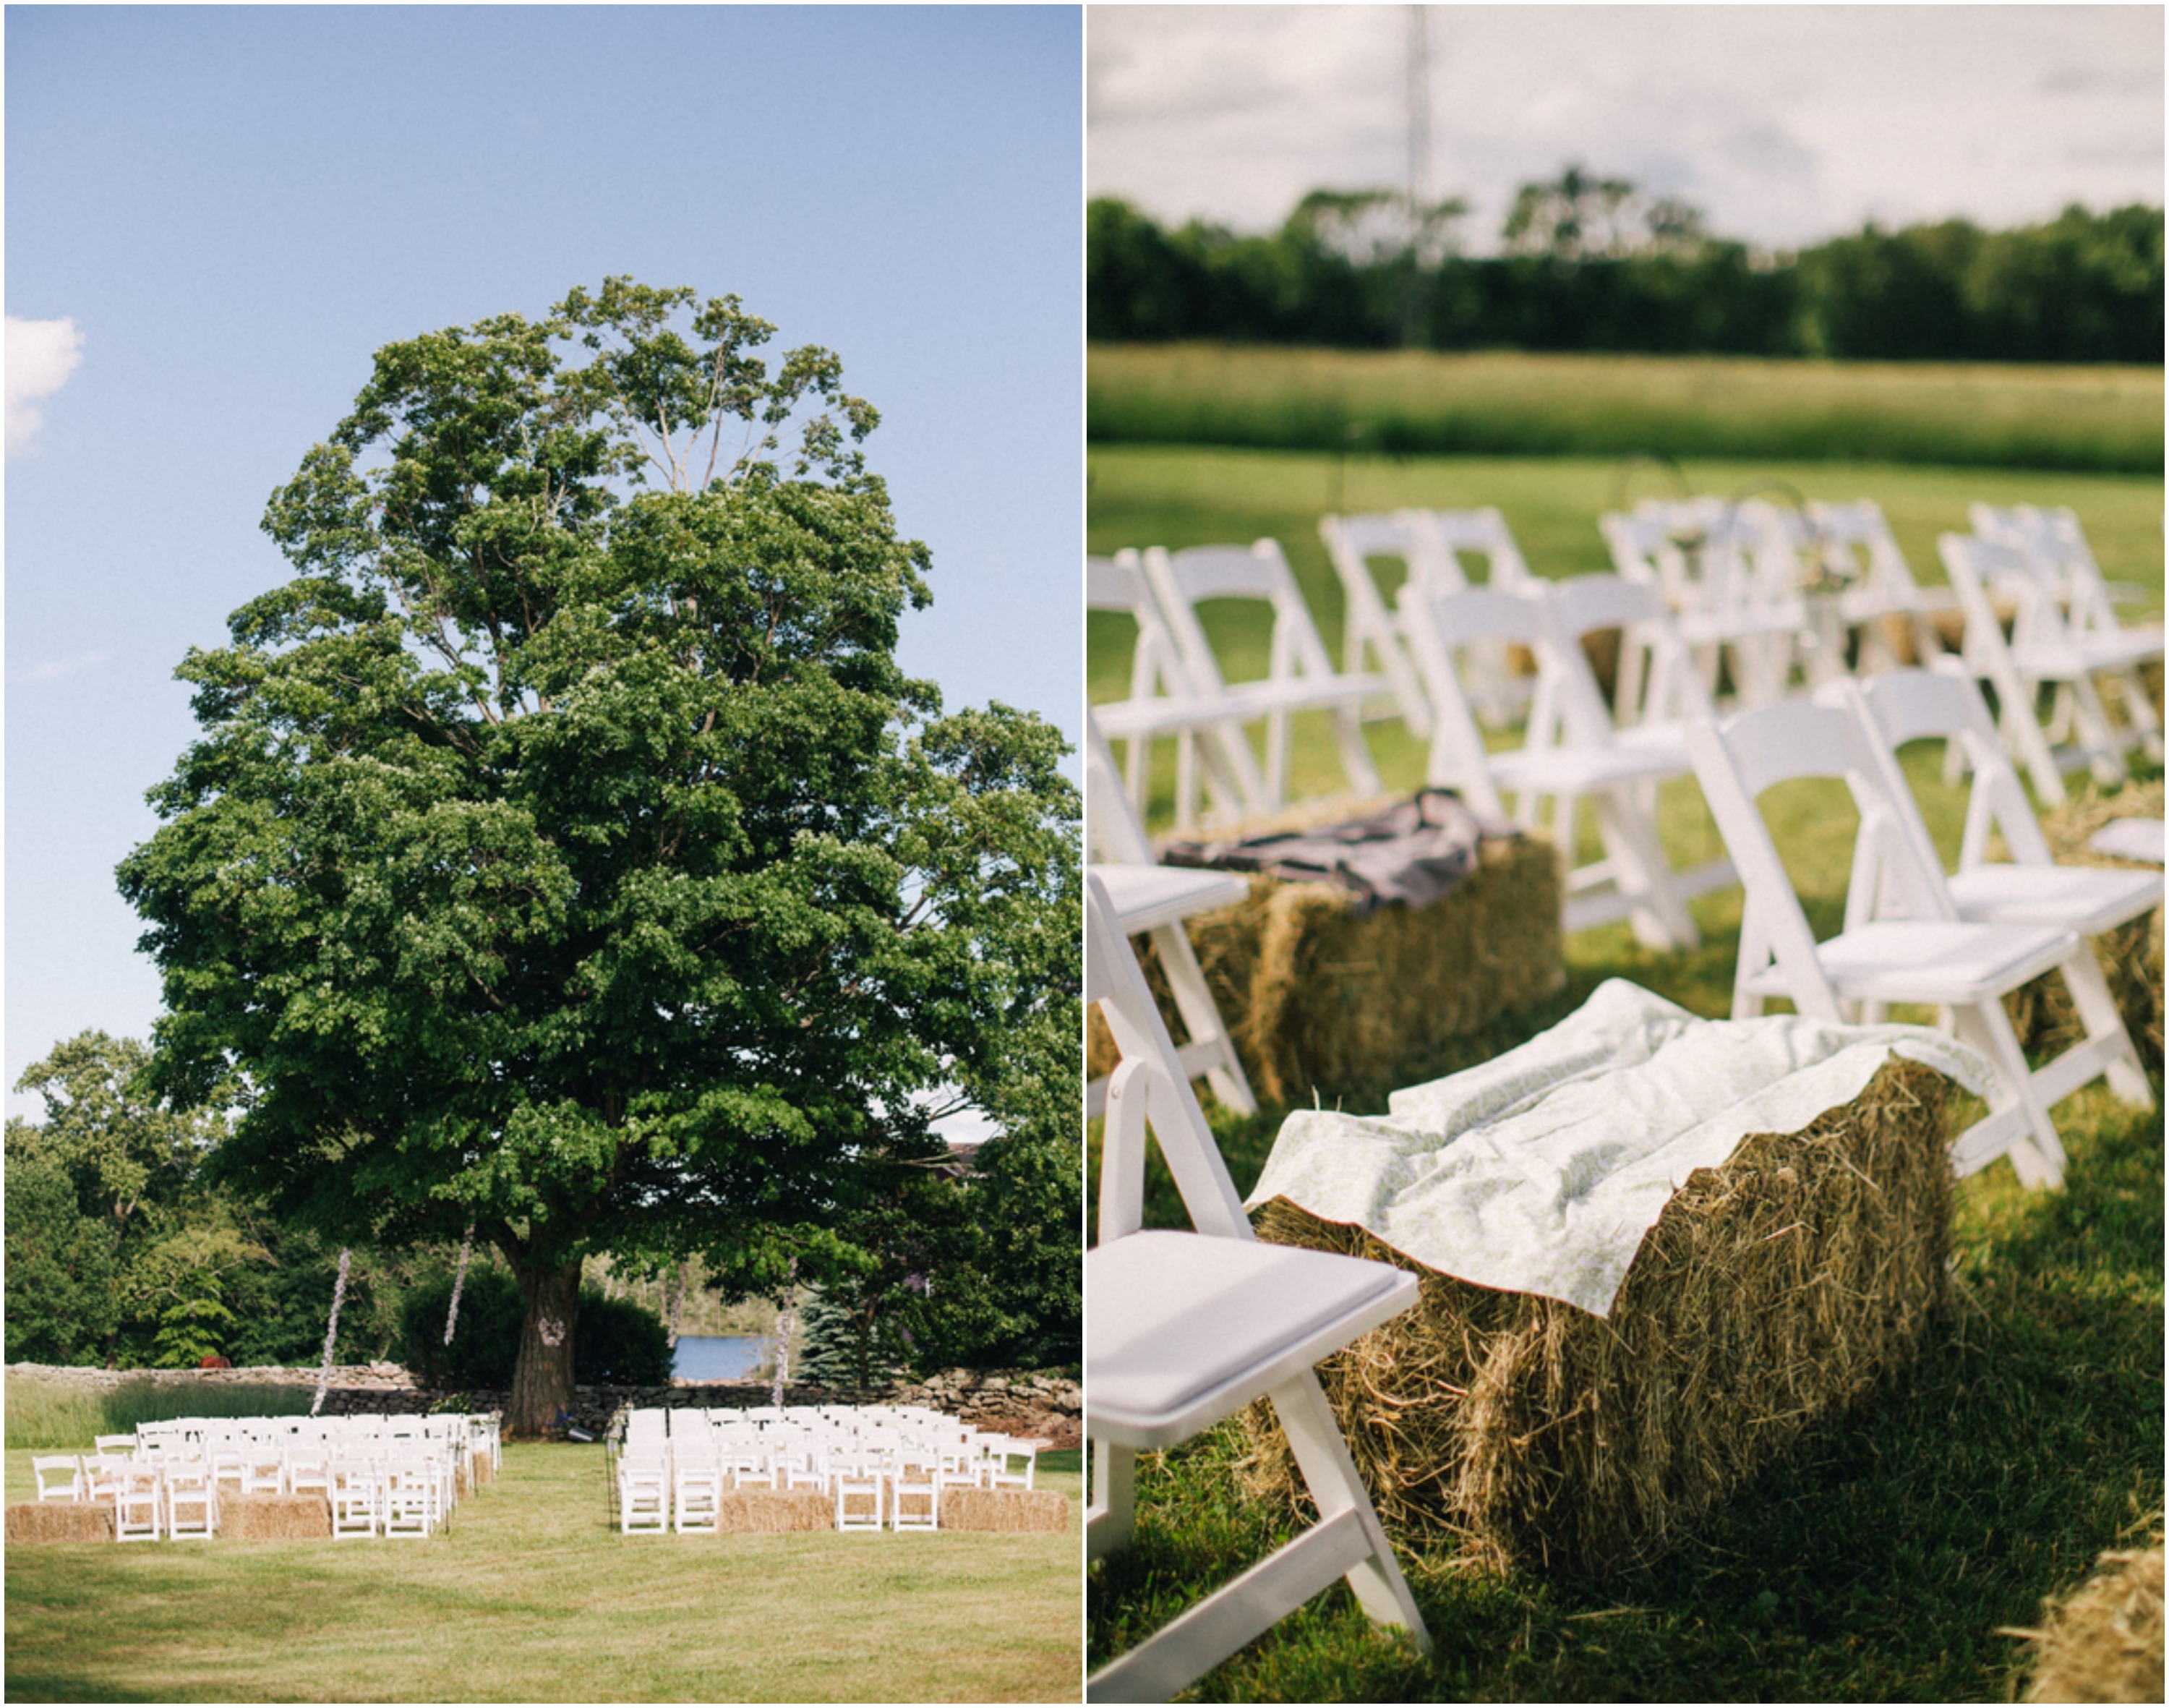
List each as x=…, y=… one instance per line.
x=644, y=1494
x=1183, y=1329
x=859, y=1503
x=696, y=1491
x=2046, y=650
x=191, y=1499
x=1368, y=630
x=356, y=1498
x=1213, y=757
x=139, y=1503
x=1154, y=900
x=60, y=1476
x=1882, y=597
x=1730, y=575
x=1299, y=676
x=915, y=1490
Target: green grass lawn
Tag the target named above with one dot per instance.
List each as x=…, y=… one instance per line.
x=531, y=1596
x=1880, y=1559
x=1517, y=403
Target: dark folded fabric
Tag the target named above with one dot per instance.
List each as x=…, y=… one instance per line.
x=1417, y=850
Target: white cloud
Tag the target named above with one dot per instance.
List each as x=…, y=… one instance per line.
x=51, y=668
x=1785, y=124
x=41, y=354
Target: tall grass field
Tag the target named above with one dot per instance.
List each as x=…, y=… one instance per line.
x=1887, y=1557
x=65, y=1416
x=530, y=1596
x=1514, y=404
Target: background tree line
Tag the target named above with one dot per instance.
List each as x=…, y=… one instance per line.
x=1592, y=264
x=122, y=1249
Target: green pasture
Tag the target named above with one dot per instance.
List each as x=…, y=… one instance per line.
x=1176, y=496
x=529, y=1595
x=1880, y=1560
x=64, y=1416
x=1515, y=403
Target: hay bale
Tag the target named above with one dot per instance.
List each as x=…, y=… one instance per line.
x=1011, y=1509
x=1780, y=1287
x=2103, y=1644
x=59, y=1521
x=1321, y=999
x=268, y=1517
x=2130, y=955
x=773, y=1511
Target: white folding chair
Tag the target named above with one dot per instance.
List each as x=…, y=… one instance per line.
x=1001, y=1451
x=915, y=1490
x=859, y=1503
x=1184, y=1329
x=1572, y=758
x=1212, y=758
x=356, y=1496
x=60, y=1476
x=1730, y=574
x=1299, y=676
x=697, y=1489
x=1367, y=627
x=1902, y=940
x=643, y=1493
x=2047, y=649
x=2028, y=889
x=1880, y=595
x=138, y=1503
x=2051, y=536
x=1153, y=901
x=191, y=1499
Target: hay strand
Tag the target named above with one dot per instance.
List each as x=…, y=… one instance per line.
x=1772, y=1290
x=2104, y=1643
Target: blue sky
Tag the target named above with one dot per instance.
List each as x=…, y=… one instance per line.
x=232, y=207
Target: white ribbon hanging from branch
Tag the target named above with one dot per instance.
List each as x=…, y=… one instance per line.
x=459, y=1282
x=331, y=1334
x=786, y=1319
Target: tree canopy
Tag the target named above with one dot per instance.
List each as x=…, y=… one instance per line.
x=563, y=849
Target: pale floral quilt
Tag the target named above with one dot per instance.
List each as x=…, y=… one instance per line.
x=1540, y=1171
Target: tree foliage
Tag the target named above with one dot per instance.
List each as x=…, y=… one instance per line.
x=563, y=849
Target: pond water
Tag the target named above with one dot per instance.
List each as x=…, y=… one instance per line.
x=716, y=1358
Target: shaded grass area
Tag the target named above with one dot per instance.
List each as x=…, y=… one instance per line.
x=63, y=1416
x=531, y=1596
x=1514, y=404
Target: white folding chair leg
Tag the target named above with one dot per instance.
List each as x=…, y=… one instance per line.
x=1210, y=1046
x=1112, y=1516
x=2020, y=1128
x=1345, y=1542
x=2108, y=1049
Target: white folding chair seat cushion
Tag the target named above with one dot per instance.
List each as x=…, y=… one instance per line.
x=2132, y=838
x=1182, y=1329
x=1929, y=961
x=2088, y=899
x=1148, y=897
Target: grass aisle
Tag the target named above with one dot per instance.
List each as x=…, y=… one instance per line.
x=531, y=1596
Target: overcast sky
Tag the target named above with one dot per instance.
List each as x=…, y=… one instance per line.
x=1783, y=123
x=214, y=216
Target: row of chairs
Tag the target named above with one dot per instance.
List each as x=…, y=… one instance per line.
x=880, y=1464
x=1769, y=595
x=380, y=1475
x=1185, y=1329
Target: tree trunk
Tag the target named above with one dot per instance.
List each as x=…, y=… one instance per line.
x=542, y=1377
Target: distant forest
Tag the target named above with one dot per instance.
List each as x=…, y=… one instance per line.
x=1592, y=264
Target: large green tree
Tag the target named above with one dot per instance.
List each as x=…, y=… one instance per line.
x=564, y=850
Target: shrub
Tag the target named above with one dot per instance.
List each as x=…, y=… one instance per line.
x=617, y=1340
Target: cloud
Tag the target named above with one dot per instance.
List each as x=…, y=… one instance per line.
x=52, y=668
x=41, y=354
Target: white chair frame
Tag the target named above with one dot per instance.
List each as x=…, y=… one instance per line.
x=1300, y=677
x=1147, y=1094
x=1902, y=940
